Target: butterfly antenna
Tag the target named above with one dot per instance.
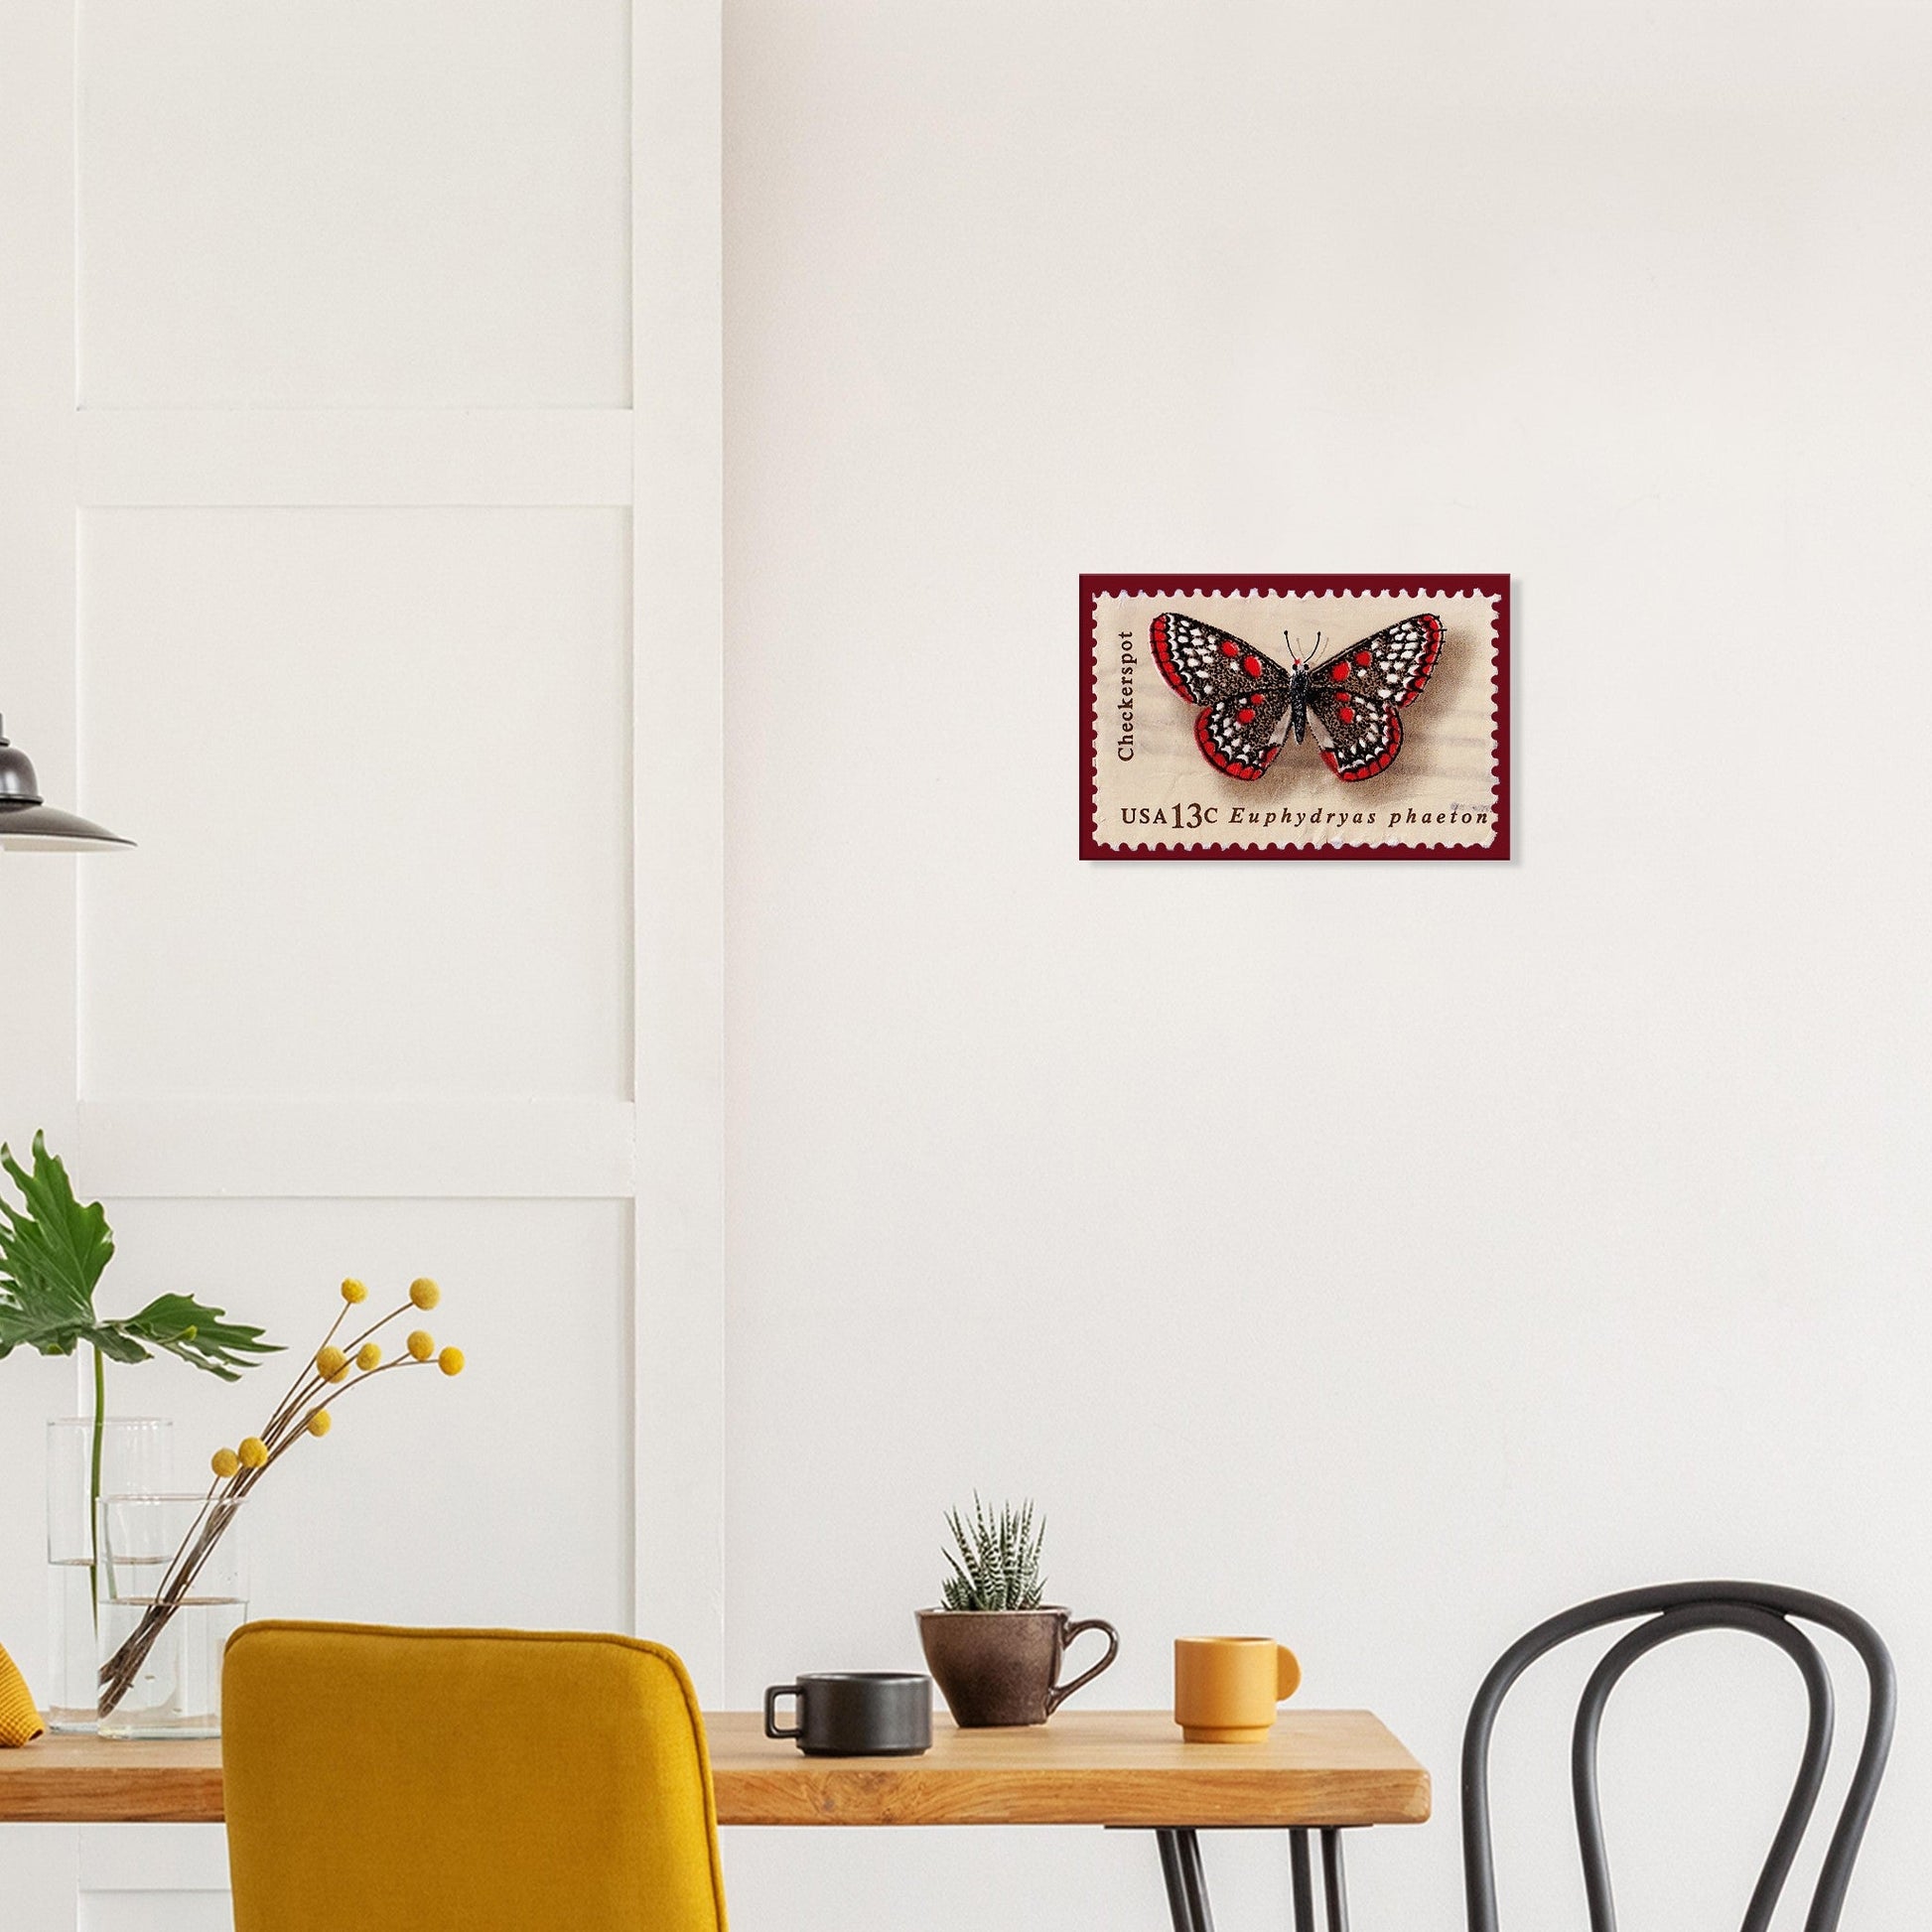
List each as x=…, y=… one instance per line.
x=1288, y=637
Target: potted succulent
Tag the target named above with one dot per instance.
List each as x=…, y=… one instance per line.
x=993, y=1645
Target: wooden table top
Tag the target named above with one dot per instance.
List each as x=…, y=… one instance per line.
x=1086, y=1768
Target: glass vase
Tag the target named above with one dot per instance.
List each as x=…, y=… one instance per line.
x=173, y=1590
x=136, y=1453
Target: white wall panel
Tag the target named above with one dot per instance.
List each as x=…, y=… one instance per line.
x=356, y=456
x=41, y=1868
x=378, y=763
x=328, y=594
x=354, y=201
x=154, y=1878
x=155, y=1911
x=178, y=1148
x=37, y=899
x=678, y=630
x=37, y=208
x=125, y=1858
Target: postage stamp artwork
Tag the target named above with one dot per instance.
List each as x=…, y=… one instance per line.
x=1294, y=718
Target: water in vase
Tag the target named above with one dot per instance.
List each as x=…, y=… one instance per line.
x=176, y=1691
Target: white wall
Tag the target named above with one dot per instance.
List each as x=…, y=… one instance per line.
x=1581, y=1241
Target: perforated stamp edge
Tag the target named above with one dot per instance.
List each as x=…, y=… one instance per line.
x=1495, y=587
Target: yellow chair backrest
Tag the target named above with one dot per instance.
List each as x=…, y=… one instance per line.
x=381, y=1780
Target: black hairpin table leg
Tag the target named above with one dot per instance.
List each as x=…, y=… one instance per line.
x=1180, y=1867
x=1303, y=1879
x=1333, y=1882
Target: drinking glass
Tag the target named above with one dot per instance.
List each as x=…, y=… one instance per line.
x=173, y=1590
x=136, y=1453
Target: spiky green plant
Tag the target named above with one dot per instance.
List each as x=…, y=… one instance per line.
x=996, y=1562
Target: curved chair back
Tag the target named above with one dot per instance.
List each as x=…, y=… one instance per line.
x=1760, y=1609
x=465, y=1781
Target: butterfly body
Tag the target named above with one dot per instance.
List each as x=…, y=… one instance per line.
x=1250, y=705
x=1298, y=702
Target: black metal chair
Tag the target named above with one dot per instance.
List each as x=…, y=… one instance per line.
x=1760, y=1609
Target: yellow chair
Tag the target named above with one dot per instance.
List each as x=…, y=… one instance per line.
x=383, y=1780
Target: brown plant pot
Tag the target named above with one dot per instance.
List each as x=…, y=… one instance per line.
x=1001, y=1667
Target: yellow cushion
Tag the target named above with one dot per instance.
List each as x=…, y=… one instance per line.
x=383, y=1780
x=20, y=1722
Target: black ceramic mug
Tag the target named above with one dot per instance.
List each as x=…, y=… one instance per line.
x=856, y=1712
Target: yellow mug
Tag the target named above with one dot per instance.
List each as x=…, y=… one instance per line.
x=1225, y=1689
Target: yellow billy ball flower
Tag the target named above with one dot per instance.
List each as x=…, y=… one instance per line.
x=424, y=1291
x=318, y=1423
x=451, y=1361
x=329, y=1362
x=369, y=1356
x=254, y=1452
x=422, y=1344
x=353, y=1290
x=224, y=1462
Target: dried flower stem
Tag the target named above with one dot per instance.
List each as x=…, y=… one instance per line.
x=290, y=1420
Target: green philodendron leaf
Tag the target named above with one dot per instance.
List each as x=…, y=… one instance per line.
x=51, y=1253
x=109, y=1337
x=52, y=1249
x=45, y=1334
x=198, y=1335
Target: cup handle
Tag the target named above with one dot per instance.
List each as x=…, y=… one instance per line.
x=1288, y=1673
x=771, y=1698
x=1062, y=1692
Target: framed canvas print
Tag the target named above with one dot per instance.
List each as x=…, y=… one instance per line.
x=1295, y=717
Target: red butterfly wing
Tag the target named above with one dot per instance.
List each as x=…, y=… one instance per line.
x=1242, y=693
x=1354, y=696
x=1204, y=663
x=1236, y=734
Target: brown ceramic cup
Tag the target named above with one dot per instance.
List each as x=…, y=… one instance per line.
x=1003, y=1667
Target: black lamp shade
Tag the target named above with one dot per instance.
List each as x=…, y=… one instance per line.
x=28, y=824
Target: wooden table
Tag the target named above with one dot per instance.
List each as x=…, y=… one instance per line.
x=1321, y=1771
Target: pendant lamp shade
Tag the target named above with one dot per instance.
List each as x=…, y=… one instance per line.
x=28, y=824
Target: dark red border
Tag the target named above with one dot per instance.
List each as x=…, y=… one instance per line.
x=1094, y=586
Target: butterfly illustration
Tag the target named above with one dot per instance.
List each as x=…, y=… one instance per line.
x=1249, y=704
